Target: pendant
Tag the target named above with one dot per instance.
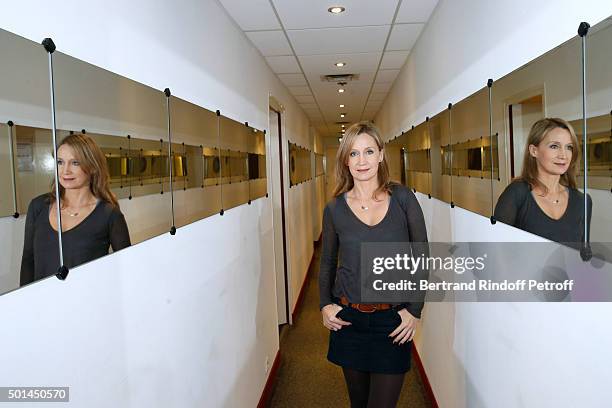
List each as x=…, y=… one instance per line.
x=363, y=207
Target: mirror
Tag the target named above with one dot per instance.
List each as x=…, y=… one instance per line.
x=549, y=86
x=234, y=176
x=439, y=131
x=469, y=151
x=599, y=130
x=195, y=131
x=418, y=158
x=300, y=166
x=256, y=162
x=127, y=122
x=26, y=161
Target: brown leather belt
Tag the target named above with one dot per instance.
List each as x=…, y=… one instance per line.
x=366, y=307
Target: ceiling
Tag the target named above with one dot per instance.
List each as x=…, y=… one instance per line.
x=302, y=41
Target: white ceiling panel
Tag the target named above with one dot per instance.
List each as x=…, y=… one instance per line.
x=300, y=90
x=270, y=43
x=293, y=79
x=252, y=14
x=305, y=99
x=284, y=65
x=382, y=87
x=309, y=106
x=339, y=40
x=313, y=13
x=377, y=96
x=415, y=11
x=355, y=63
x=394, y=59
x=403, y=36
x=386, y=75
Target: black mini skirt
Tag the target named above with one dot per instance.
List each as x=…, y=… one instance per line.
x=365, y=345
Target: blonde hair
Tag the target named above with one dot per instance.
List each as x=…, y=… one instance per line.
x=344, y=179
x=538, y=132
x=93, y=163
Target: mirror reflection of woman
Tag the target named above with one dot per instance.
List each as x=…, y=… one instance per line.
x=91, y=219
x=544, y=200
x=371, y=342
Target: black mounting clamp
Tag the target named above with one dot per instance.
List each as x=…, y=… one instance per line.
x=167, y=92
x=493, y=220
x=586, y=253
x=489, y=83
x=173, y=230
x=218, y=112
x=10, y=123
x=450, y=106
x=50, y=48
x=583, y=29
x=62, y=273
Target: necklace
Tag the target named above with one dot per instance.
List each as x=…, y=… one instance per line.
x=76, y=214
x=361, y=204
x=555, y=201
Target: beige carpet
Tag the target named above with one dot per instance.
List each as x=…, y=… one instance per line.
x=305, y=377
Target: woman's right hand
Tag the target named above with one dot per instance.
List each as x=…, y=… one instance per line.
x=330, y=320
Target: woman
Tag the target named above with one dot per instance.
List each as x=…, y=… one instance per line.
x=91, y=220
x=544, y=199
x=370, y=342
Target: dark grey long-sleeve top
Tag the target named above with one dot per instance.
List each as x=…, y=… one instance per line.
x=105, y=227
x=517, y=207
x=343, y=234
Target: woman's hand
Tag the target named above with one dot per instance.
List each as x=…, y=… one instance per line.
x=405, y=331
x=330, y=320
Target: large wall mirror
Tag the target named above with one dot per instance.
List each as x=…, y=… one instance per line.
x=115, y=129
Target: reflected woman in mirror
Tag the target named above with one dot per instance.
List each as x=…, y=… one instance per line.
x=91, y=219
x=544, y=200
x=371, y=342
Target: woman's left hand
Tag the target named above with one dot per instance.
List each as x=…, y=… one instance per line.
x=405, y=331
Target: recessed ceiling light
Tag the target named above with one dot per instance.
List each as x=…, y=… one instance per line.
x=342, y=115
x=341, y=90
x=341, y=105
x=340, y=64
x=343, y=127
x=336, y=9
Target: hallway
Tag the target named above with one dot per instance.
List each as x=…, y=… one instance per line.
x=305, y=377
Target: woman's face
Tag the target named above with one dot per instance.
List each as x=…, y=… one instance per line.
x=71, y=175
x=554, y=153
x=364, y=158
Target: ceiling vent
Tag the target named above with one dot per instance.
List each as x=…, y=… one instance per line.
x=340, y=78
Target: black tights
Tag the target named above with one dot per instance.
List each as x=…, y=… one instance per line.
x=368, y=390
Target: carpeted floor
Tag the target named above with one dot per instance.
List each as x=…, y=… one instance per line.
x=306, y=378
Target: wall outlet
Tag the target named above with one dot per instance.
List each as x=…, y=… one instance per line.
x=267, y=365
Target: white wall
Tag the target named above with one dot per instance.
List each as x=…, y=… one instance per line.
x=188, y=320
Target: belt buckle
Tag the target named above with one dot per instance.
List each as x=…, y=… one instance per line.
x=371, y=309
